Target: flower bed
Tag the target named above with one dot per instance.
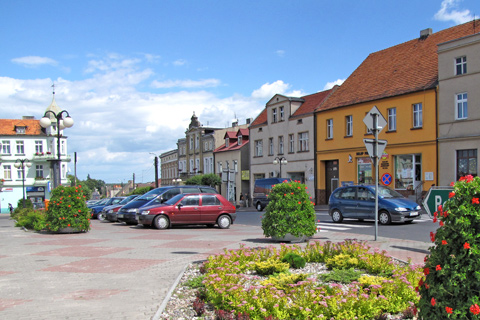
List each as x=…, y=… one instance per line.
x=260, y=283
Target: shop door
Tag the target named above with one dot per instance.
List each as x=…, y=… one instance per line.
x=331, y=176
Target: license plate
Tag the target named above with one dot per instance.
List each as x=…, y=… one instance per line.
x=120, y=215
x=414, y=213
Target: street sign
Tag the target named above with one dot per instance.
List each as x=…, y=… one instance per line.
x=370, y=144
x=369, y=120
x=436, y=196
x=386, y=179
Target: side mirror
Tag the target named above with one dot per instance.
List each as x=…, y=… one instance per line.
x=179, y=205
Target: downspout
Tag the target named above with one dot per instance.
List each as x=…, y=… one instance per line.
x=315, y=180
x=436, y=132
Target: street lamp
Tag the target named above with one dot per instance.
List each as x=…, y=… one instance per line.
x=62, y=123
x=21, y=163
x=280, y=160
x=177, y=181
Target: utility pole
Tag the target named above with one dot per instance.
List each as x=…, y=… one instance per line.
x=155, y=163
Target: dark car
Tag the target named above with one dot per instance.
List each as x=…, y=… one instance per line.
x=261, y=190
x=93, y=203
x=199, y=208
x=128, y=212
x=96, y=209
x=358, y=202
x=110, y=212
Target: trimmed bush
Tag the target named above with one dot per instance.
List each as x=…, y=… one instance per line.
x=294, y=260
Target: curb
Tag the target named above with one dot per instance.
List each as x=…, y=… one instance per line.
x=169, y=294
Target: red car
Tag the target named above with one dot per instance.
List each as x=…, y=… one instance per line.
x=194, y=208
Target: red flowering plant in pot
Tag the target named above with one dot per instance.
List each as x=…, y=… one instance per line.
x=451, y=283
x=67, y=211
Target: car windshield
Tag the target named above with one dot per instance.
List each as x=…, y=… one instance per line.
x=103, y=201
x=152, y=194
x=385, y=192
x=125, y=201
x=174, y=200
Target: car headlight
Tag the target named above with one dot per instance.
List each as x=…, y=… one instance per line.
x=144, y=212
x=132, y=210
x=418, y=208
x=400, y=209
x=110, y=211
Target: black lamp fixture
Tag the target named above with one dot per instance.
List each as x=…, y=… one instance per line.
x=280, y=160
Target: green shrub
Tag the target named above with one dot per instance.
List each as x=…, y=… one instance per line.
x=341, y=275
x=30, y=219
x=283, y=280
x=67, y=208
x=196, y=282
x=450, y=288
x=270, y=266
x=289, y=211
x=294, y=260
x=341, y=261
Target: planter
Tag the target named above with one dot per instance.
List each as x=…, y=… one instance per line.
x=291, y=238
x=68, y=230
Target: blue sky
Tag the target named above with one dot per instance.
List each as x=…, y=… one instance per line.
x=131, y=73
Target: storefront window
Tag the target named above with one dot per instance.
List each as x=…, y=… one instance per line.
x=364, y=171
x=408, y=171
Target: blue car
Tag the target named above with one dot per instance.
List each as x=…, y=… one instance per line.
x=358, y=202
x=97, y=208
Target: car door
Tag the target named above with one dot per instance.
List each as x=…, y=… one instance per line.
x=365, y=203
x=348, y=202
x=210, y=209
x=188, y=210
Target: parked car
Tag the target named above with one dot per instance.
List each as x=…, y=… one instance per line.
x=197, y=208
x=358, y=202
x=261, y=190
x=92, y=203
x=128, y=212
x=110, y=212
x=96, y=209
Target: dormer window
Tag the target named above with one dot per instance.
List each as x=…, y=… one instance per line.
x=240, y=140
x=20, y=129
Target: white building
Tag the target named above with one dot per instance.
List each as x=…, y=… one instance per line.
x=25, y=140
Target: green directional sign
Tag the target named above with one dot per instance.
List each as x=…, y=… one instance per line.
x=436, y=196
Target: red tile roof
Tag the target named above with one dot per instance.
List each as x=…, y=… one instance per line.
x=310, y=103
x=408, y=67
x=33, y=128
x=233, y=145
x=244, y=132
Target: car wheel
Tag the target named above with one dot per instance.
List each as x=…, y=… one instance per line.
x=384, y=217
x=259, y=206
x=161, y=222
x=337, y=216
x=101, y=217
x=224, y=221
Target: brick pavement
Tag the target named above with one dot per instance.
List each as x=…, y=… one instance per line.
x=117, y=271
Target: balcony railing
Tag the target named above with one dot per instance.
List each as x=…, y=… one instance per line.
x=50, y=156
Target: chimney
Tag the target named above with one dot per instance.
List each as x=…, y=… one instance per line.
x=425, y=33
x=28, y=117
x=249, y=120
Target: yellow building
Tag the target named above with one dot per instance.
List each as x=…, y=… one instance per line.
x=402, y=82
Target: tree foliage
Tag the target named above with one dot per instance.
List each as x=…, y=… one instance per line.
x=209, y=179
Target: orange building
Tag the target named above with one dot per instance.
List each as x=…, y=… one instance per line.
x=402, y=82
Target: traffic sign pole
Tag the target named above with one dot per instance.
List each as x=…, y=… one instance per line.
x=375, y=133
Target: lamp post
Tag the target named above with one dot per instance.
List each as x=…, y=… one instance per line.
x=62, y=123
x=155, y=164
x=280, y=160
x=21, y=163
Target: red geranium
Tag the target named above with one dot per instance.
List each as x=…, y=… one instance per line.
x=475, y=309
x=466, y=245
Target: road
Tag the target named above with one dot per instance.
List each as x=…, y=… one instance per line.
x=419, y=230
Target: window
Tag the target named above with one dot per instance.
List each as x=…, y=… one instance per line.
x=220, y=169
x=280, y=145
x=191, y=143
x=303, y=141
x=227, y=142
x=20, y=174
x=20, y=130
x=274, y=115
x=191, y=165
x=417, y=115
x=39, y=146
x=235, y=165
x=206, y=165
x=460, y=65
x=348, y=126
x=240, y=138
x=6, y=147
x=205, y=146
x=392, y=119
x=62, y=147
x=197, y=142
x=258, y=148
x=7, y=172
x=330, y=129
x=270, y=146
x=282, y=113
x=191, y=201
x=20, y=147
x=197, y=165
x=210, y=200
x=462, y=106
x=466, y=163
x=291, y=143
x=39, y=171
x=408, y=171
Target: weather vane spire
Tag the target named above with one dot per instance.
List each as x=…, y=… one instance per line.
x=53, y=86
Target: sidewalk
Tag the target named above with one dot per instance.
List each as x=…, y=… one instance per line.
x=122, y=272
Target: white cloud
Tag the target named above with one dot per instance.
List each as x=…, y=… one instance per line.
x=268, y=90
x=448, y=12
x=330, y=85
x=179, y=62
x=34, y=61
x=280, y=53
x=204, y=83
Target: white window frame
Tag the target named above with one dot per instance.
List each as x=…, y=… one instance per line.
x=20, y=144
x=280, y=145
x=329, y=128
x=239, y=140
x=39, y=170
x=6, y=147
x=282, y=113
x=270, y=147
x=291, y=143
x=303, y=141
x=460, y=65
x=349, y=126
x=38, y=146
x=258, y=148
x=461, y=106
x=417, y=115
x=7, y=172
x=392, y=119
x=274, y=115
